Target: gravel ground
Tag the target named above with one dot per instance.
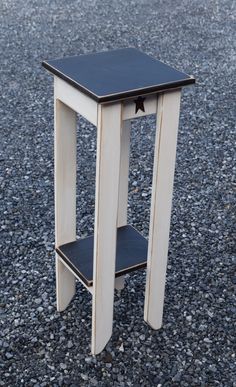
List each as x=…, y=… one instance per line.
x=41, y=347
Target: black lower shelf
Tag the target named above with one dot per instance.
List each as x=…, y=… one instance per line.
x=131, y=254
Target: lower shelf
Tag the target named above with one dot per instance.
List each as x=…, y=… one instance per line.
x=131, y=254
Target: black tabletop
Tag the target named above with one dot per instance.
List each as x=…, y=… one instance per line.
x=117, y=74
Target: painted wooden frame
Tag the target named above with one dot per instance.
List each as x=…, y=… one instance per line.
x=112, y=170
x=162, y=188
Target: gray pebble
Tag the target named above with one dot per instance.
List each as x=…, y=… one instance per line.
x=9, y=355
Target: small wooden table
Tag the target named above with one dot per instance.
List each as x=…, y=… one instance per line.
x=109, y=89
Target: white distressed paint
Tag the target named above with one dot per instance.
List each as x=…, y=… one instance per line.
x=129, y=107
x=123, y=186
x=162, y=189
x=77, y=101
x=65, y=195
x=106, y=212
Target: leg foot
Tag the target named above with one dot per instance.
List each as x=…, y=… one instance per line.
x=120, y=283
x=65, y=285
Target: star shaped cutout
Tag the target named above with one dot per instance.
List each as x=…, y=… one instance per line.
x=139, y=104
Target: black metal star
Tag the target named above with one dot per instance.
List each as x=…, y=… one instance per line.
x=139, y=104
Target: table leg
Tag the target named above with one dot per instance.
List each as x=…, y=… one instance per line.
x=123, y=186
x=65, y=196
x=163, y=177
x=106, y=213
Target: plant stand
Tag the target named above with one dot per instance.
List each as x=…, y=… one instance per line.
x=109, y=89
